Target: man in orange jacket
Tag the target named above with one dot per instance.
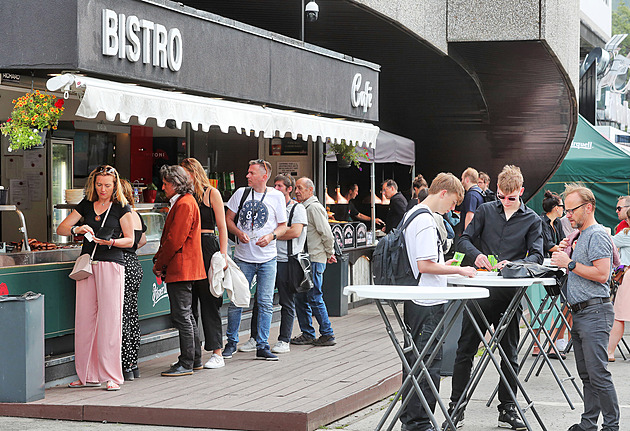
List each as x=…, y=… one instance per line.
x=179, y=262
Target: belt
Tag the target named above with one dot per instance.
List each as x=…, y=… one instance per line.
x=593, y=301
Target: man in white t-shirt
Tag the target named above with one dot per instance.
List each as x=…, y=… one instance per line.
x=261, y=220
x=426, y=258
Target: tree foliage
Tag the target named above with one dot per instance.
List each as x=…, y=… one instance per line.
x=621, y=25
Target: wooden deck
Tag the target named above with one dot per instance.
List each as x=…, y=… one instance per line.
x=307, y=388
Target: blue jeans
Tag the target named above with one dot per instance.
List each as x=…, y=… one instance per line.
x=312, y=304
x=265, y=281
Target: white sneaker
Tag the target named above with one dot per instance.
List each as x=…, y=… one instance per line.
x=561, y=344
x=281, y=347
x=215, y=361
x=250, y=346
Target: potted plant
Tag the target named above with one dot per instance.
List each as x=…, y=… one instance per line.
x=150, y=193
x=32, y=115
x=347, y=154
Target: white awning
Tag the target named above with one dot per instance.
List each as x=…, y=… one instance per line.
x=127, y=100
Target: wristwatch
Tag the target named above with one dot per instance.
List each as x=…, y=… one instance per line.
x=275, y=236
x=571, y=265
x=72, y=230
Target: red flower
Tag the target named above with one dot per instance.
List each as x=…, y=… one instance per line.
x=59, y=103
x=8, y=119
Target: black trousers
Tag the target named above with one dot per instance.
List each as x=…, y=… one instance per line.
x=493, y=308
x=421, y=322
x=180, y=297
x=210, y=305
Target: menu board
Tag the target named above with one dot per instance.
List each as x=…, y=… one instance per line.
x=288, y=147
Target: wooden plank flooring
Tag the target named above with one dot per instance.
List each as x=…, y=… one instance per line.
x=307, y=388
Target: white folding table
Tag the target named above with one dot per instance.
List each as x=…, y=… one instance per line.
x=457, y=296
x=493, y=281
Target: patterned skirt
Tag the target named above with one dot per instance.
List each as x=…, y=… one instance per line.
x=131, y=327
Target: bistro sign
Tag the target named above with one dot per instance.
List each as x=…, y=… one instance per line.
x=133, y=38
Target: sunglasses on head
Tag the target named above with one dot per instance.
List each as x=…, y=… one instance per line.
x=509, y=198
x=619, y=208
x=261, y=162
x=106, y=169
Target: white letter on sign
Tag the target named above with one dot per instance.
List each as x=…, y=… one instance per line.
x=110, y=32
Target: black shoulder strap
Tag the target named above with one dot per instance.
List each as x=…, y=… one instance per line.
x=243, y=199
x=405, y=222
x=291, y=215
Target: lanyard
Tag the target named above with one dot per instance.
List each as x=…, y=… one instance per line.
x=261, y=200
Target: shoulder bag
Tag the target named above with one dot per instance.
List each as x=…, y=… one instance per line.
x=299, y=265
x=83, y=266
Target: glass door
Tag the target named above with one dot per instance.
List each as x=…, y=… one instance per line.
x=61, y=179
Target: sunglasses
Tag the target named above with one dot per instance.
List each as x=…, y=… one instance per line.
x=263, y=163
x=572, y=210
x=106, y=169
x=619, y=208
x=509, y=198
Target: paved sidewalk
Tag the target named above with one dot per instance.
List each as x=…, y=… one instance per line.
x=548, y=399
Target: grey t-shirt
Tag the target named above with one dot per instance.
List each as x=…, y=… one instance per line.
x=299, y=216
x=592, y=244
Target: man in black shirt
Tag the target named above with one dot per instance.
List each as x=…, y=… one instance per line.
x=397, y=205
x=510, y=231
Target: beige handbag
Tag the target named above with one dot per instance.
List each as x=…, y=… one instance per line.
x=83, y=266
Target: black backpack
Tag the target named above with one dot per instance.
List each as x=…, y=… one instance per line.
x=390, y=263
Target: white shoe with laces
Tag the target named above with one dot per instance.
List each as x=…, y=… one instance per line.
x=215, y=361
x=281, y=347
x=250, y=346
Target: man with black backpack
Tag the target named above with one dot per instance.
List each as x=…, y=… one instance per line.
x=426, y=258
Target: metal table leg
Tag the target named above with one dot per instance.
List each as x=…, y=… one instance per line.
x=490, y=346
x=419, y=363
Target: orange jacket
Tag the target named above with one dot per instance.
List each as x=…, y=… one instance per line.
x=180, y=255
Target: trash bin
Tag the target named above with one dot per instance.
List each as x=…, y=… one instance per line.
x=335, y=279
x=22, y=353
x=449, y=348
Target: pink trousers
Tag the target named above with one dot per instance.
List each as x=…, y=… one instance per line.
x=98, y=324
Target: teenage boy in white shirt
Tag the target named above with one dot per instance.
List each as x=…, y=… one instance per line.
x=426, y=257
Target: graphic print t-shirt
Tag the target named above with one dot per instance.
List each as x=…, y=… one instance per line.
x=260, y=215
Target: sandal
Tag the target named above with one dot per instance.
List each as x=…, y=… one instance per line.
x=78, y=384
x=112, y=386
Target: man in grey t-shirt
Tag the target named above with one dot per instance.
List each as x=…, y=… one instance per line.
x=589, y=269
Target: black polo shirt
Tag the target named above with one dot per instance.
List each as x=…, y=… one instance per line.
x=519, y=238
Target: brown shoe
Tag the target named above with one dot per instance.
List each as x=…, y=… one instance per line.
x=176, y=371
x=325, y=340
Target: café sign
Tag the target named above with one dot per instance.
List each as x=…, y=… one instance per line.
x=134, y=39
x=361, y=97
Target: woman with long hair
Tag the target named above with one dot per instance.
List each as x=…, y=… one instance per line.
x=212, y=217
x=133, y=278
x=99, y=300
x=622, y=299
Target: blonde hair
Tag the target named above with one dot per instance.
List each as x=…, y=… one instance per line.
x=471, y=174
x=127, y=191
x=105, y=171
x=448, y=182
x=585, y=194
x=510, y=179
x=198, y=175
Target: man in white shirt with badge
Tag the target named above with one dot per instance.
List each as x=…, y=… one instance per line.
x=261, y=220
x=426, y=258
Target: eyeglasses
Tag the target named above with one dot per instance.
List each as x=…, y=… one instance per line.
x=509, y=198
x=572, y=210
x=561, y=206
x=624, y=206
x=106, y=169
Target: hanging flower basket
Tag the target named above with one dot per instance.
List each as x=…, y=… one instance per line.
x=32, y=115
x=347, y=154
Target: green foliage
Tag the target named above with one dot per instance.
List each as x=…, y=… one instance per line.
x=621, y=25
